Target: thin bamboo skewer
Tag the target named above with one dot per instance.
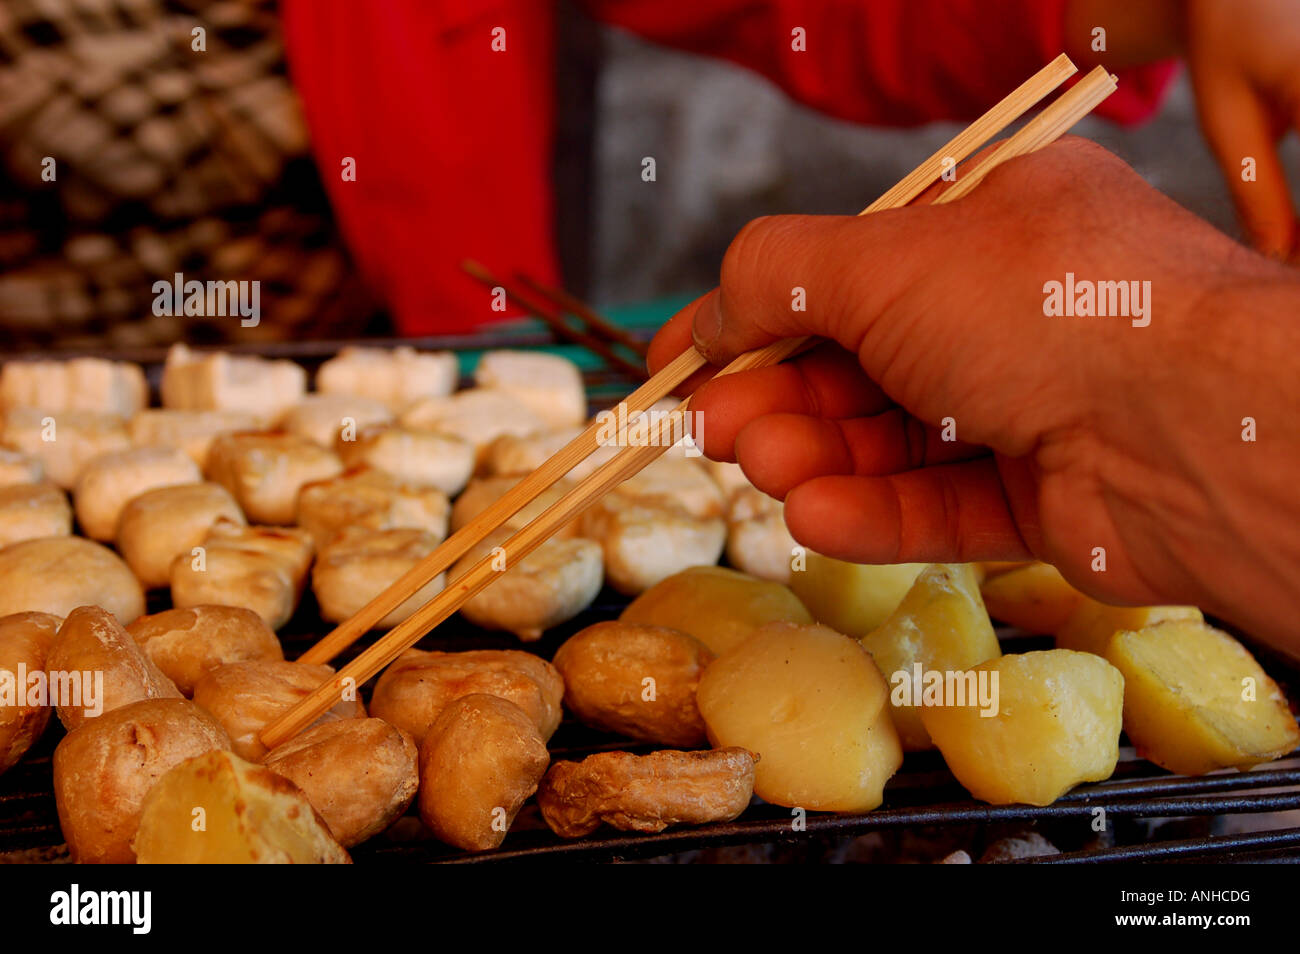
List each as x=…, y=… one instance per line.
x=593, y=318
x=609, y=475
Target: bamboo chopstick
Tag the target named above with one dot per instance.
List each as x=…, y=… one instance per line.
x=627, y=462
x=594, y=319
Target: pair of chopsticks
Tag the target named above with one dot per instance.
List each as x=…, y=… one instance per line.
x=552, y=306
x=1063, y=113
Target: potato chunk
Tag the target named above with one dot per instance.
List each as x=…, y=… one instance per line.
x=1058, y=720
x=811, y=704
x=718, y=606
x=636, y=680
x=1091, y=626
x=1034, y=597
x=646, y=792
x=480, y=761
x=852, y=598
x=217, y=809
x=940, y=624
x=1195, y=699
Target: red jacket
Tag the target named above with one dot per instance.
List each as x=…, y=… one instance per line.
x=452, y=139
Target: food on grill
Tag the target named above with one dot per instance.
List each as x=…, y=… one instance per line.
x=1057, y=724
x=647, y=541
x=418, y=685
x=190, y=431
x=76, y=384
x=516, y=455
x=397, y=376
x=360, y=564
x=852, y=598
x=718, y=606
x=185, y=644
x=547, y=385
x=1195, y=699
x=58, y=574
x=635, y=680
x=940, y=625
x=479, y=762
x=728, y=476
x=758, y=541
x=25, y=640
x=1091, y=626
x=265, y=470
x=813, y=707
x=63, y=442
x=32, y=511
x=217, y=381
x=104, y=769
x=551, y=585
x=19, y=468
x=107, y=483
x=246, y=696
x=477, y=416
x=161, y=524
x=216, y=808
x=260, y=568
x=1034, y=597
x=321, y=418
x=410, y=455
x=360, y=774
x=646, y=792
x=370, y=499
x=96, y=653
x=482, y=492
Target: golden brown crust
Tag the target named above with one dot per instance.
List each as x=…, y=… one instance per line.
x=164, y=522
x=635, y=680
x=646, y=792
x=25, y=641
x=415, y=689
x=480, y=762
x=57, y=574
x=104, y=769
x=360, y=774
x=187, y=643
x=265, y=469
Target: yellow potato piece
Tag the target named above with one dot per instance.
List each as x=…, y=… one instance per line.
x=940, y=624
x=1091, y=626
x=1196, y=700
x=218, y=809
x=852, y=598
x=1058, y=720
x=718, y=606
x=814, y=707
x=1034, y=597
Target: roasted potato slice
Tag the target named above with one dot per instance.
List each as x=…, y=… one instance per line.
x=1196, y=700
x=1057, y=723
x=1091, y=626
x=852, y=598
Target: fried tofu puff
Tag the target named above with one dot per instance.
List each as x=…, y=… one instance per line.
x=186, y=644
x=646, y=792
x=190, y=431
x=63, y=441
x=398, y=377
x=548, y=385
x=480, y=761
x=108, y=482
x=371, y=500
x=265, y=470
x=646, y=542
x=321, y=417
x=482, y=492
x=360, y=564
x=57, y=574
x=477, y=415
x=246, y=697
x=32, y=511
x=19, y=468
x=758, y=541
x=25, y=641
x=418, y=685
x=551, y=585
x=260, y=568
x=410, y=455
x=77, y=384
x=217, y=381
x=513, y=455
x=162, y=523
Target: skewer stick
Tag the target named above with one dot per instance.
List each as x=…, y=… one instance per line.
x=593, y=318
x=609, y=474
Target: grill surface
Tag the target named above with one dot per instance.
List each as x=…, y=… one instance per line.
x=922, y=798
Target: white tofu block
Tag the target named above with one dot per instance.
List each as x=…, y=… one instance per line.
x=63, y=441
x=78, y=384
x=397, y=377
x=548, y=385
x=217, y=381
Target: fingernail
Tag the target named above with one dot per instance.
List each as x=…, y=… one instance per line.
x=707, y=326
